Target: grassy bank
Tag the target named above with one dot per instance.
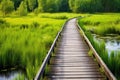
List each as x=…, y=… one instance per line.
x=24, y=41
x=103, y=24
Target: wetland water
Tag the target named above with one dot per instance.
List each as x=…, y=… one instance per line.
x=112, y=42
x=11, y=75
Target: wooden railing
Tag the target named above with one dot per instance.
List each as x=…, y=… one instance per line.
x=41, y=71
x=108, y=73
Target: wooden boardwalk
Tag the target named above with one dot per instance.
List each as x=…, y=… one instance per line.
x=71, y=60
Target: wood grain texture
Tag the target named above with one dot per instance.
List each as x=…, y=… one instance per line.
x=71, y=61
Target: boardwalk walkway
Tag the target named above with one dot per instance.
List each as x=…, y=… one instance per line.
x=71, y=60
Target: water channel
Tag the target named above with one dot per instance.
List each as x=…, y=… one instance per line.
x=11, y=74
x=112, y=42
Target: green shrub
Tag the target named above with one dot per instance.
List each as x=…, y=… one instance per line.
x=7, y=6
x=85, y=5
x=2, y=21
x=22, y=10
x=4, y=24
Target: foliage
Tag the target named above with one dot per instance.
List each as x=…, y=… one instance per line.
x=63, y=5
x=90, y=6
x=111, y=60
x=111, y=5
x=16, y=3
x=85, y=5
x=26, y=42
x=103, y=24
x=7, y=6
x=32, y=4
x=48, y=5
x=22, y=10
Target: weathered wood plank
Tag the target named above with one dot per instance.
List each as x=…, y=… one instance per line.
x=76, y=76
x=75, y=73
x=77, y=79
x=71, y=61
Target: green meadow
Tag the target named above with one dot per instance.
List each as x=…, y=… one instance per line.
x=103, y=24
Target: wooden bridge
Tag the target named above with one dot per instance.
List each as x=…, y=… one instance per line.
x=68, y=58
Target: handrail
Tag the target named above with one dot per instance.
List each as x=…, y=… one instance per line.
x=108, y=73
x=42, y=69
x=47, y=58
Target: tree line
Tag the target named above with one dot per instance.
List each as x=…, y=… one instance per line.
x=24, y=6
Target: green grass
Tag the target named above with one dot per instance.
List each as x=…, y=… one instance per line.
x=103, y=24
x=25, y=41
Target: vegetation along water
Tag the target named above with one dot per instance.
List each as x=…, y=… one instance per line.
x=103, y=31
x=28, y=28
x=25, y=41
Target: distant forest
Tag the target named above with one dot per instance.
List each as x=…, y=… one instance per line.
x=24, y=6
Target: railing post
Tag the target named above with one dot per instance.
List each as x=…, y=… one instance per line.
x=43, y=74
x=108, y=73
x=49, y=59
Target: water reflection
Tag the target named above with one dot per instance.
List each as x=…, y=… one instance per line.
x=112, y=43
x=10, y=75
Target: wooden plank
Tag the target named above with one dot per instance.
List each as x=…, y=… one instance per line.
x=75, y=73
x=74, y=61
x=73, y=47
x=76, y=49
x=68, y=60
x=99, y=60
x=71, y=55
x=73, y=50
x=76, y=76
x=77, y=79
x=83, y=53
x=71, y=60
x=65, y=65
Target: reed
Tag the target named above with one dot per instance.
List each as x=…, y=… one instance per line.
x=102, y=25
x=25, y=42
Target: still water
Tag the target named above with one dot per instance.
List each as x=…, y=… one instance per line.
x=112, y=42
x=10, y=75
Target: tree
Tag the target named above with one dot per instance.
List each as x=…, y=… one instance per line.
x=41, y=5
x=51, y=6
x=112, y=6
x=7, y=6
x=32, y=4
x=48, y=5
x=72, y=5
x=117, y=5
x=0, y=1
x=63, y=5
x=22, y=10
x=85, y=5
x=16, y=3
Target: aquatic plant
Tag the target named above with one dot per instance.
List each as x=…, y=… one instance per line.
x=26, y=41
x=104, y=27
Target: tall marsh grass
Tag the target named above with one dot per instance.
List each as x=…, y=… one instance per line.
x=102, y=25
x=25, y=45
x=112, y=60
x=26, y=40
